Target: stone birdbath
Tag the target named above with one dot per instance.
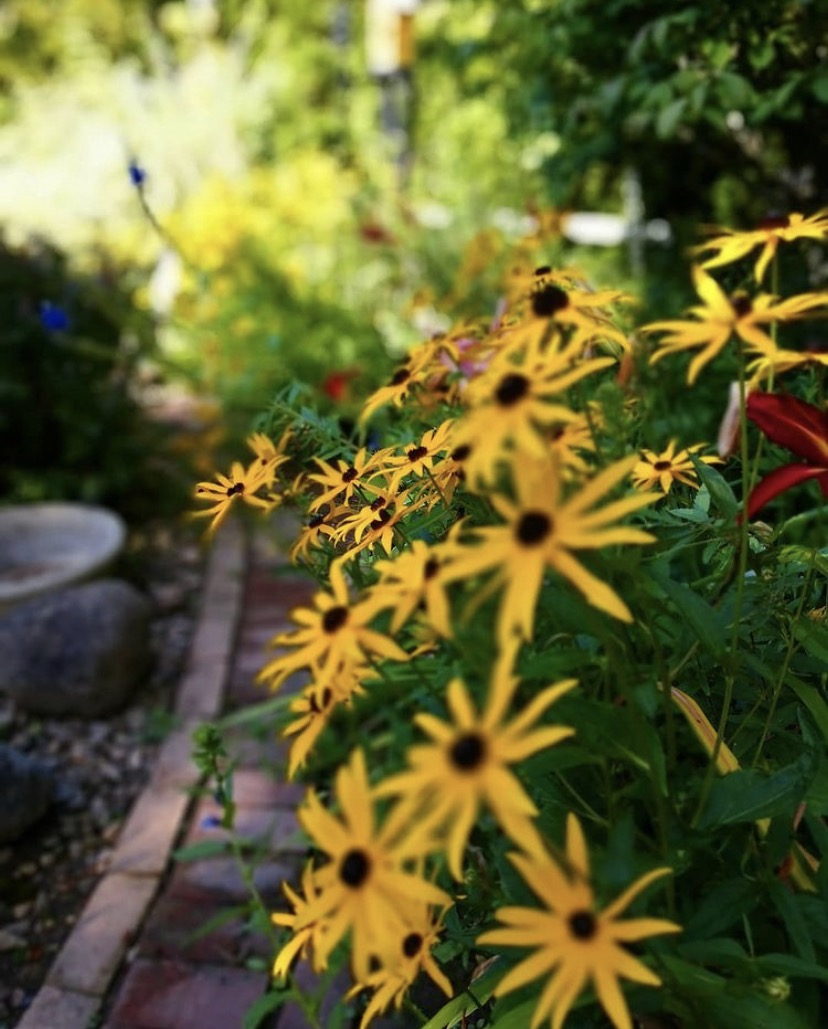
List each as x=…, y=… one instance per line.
x=44, y=547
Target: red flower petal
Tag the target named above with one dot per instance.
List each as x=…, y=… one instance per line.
x=793, y=424
x=781, y=479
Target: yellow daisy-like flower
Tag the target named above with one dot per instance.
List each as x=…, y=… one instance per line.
x=719, y=317
x=776, y=360
x=241, y=484
x=365, y=887
x=412, y=581
x=318, y=527
x=402, y=966
x=313, y=710
x=419, y=458
x=271, y=455
x=512, y=403
x=733, y=245
x=304, y=942
x=570, y=940
x=341, y=481
x=542, y=530
x=467, y=765
x=333, y=632
x=662, y=470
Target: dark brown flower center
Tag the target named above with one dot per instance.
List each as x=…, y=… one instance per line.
x=400, y=376
x=318, y=705
x=548, y=300
x=378, y=502
x=533, y=527
x=382, y=520
x=663, y=466
x=334, y=618
x=468, y=751
x=775, y=221
x=543, y=269
x=461, y=453
x=417, y=453
x=316, y=521
x=412, y=945
x=349, y=474
x=355, y=868
x=430, y=568
x=582, y=925
x=236, y=490
x=740, y=302
x=512, y=388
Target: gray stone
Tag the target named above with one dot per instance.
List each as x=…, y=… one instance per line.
x=79, y=652
x=26, y=791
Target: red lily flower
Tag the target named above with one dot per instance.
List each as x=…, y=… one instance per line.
x=800, y=428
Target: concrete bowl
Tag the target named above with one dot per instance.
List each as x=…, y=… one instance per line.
x=46, y=546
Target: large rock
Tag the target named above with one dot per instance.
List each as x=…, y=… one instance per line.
x=79, y=652
x=26, y=791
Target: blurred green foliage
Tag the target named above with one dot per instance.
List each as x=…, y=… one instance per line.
x=70, y=424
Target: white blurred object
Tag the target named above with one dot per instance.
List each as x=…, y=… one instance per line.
x=165, y=283
x=727, y=441
x=592, y=228
x=387, y=48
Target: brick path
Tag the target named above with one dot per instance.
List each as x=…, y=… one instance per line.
x=130, y=962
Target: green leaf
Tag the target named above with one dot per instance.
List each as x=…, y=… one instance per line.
x=452, y=1013
x=706, y=624
x=789, y=964
x=813, y=637
x=819, y=87
x=813, y=701
x=722, y=907
x=748, y=795
x=203, y=849
x=721, y=493
x=261, y=1008
x=786, y=904
x=669, y=118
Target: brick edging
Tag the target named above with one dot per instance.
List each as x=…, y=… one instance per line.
x=80, y=975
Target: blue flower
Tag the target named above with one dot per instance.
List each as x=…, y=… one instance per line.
x=53, y=318
x=137, y=175
x=210, y=822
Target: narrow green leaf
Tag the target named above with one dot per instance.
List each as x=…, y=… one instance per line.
x=261, y=1008
x=669, y=118
x=789, y=964
x=748, y=795
x=706, y=623
x=813, y=637
x=203, y=849
x=788, y=908
x=451, y=1014
x=812, y=699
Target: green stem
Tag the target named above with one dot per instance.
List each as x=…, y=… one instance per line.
x=727, y=701
x=780, y=679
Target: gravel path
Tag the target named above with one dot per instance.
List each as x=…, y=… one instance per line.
x=102, y=765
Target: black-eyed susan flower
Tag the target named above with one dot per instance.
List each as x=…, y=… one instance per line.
x=719, y=317
x=418, y=458
x=572, y=942
x=512, y=402
x=313, y=708
x=543, y=528
x=660, y=471
x=334, y=631
x=467, y=764
x=400, y=968
x=373, y=524
x=339, y=482
x=366, y=886
x=318, y=528
x=241, y=484
x=733, y=245
x=271, y=455
x=412, y=582
x=304, y=942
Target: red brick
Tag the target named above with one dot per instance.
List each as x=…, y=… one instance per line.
x=221, y=877
x=173, y=995
x=173, y=931
x=253, y=788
